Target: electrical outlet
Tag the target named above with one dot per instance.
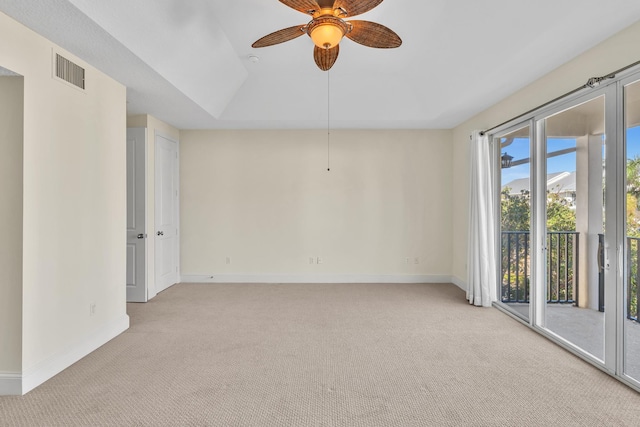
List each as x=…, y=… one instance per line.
x=416, y=260
x=319, y=260
x=407, y=260
x=311, y=260
x=92, y=309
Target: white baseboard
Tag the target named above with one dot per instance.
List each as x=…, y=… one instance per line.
x=314, y=278
x=10, y=384
x=459, y=283
x=55, y=364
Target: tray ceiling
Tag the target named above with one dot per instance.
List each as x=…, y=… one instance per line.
x=188, y=63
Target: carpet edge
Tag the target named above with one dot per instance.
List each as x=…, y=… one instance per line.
x=55, y=364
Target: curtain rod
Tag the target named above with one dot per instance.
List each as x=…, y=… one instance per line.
x=591, y=83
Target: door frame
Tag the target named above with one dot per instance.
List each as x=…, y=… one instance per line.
x=629, y=78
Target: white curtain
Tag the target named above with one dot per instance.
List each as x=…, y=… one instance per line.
x=481, y=255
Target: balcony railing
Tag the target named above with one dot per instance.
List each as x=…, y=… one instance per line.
x=516, y=266
x=633, y=277
x=562, y=269
x=562, y=266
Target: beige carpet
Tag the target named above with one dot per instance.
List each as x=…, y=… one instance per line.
x=324, y=355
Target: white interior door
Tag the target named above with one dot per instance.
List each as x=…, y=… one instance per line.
x=166, y=213
x=136, y=215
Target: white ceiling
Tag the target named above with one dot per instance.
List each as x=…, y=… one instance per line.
x=186, y=62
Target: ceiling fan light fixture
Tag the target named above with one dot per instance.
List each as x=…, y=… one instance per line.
x=327, y=28
x=326, y=36
x=327, y=31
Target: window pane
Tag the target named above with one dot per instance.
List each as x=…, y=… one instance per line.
x=515, y=220
x=575, y=225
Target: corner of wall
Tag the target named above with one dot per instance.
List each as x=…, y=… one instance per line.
x=78, y=162
x=48, y=368
x=11, y=225
x=459, y=283
x=137, y=121
x=11, y=384
x=163, y=128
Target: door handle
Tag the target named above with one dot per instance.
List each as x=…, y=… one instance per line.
x=599, y=257
x=600, y=254
x=160, y=233
x=141, y=236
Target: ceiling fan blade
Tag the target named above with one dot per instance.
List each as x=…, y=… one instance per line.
x=373, y=35
x=304, y=6
x=280, y=36
x=325, y=58
x=326, y=4
x=356, y=7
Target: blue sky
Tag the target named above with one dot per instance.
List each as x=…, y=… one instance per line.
x=519, y=149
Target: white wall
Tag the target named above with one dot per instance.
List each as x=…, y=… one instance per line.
x=614, y=53
x=11, y=114
x=74, y=219
x=266, y=200
x=154, y=127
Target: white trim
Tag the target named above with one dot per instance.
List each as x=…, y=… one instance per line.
x=459, y=283
x=315, y=278
x=10, y=384
x=55, y=364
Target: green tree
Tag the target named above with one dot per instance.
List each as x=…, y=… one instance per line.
x=515, y=213
x=633, y=176
x=633, y=229
x=515, y=220
x=633, y=197
x=560, y=216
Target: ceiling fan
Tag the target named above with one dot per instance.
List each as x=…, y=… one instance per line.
x=328, y=27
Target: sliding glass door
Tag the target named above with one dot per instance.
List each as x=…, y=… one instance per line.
x=515, y=220
x=631, y=281
x=570, y=224
x=559, y=221
x=575, y=225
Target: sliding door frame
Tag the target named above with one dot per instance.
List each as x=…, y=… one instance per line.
x=614, y=203
x=497, y=179
x=621, y=124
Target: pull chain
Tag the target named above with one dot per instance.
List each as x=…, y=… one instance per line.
x=328, y=123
